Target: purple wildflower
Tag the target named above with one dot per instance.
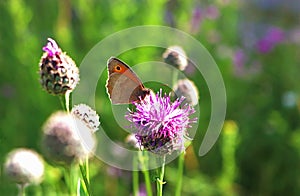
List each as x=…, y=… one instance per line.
x=264, y=46
x=212, y=12
x=273, y=36
x=197, y=18
x=239, y=60
x=169, y=18
x=161, y=125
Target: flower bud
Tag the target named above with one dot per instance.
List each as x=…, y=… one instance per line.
x=86, y=115
x=24, y=166
x=187, y=89
x=67, y=139
x=132, y=141
x=175, y=56
x=58, y=71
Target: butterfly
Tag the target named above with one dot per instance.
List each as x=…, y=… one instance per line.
x=123, y=85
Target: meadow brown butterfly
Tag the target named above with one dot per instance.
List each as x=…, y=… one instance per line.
x=123, y=85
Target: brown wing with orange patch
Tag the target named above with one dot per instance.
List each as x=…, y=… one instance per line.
x=123, y=85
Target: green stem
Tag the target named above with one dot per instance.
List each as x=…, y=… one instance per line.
x=62, y=102
x=147, y=182
x=179, y=174
x=71, y=177
x=67, y=178
x=174, y=77
x=87, y=169
x=160, y=181
x=135, y=176
x=143, y=158
x=85, y=178
x=67, y=99
x=21, y=189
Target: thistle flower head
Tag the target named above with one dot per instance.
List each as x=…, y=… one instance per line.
x=24, y=166
x=67, y=139
x=175, y=56
x=161, y=125
x=58, y=71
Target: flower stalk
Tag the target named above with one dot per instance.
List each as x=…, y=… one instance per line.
x=135, y=177
x=67, y=100
x=160, y=180
x=21, y=188
x=179, y=174
x=85, y=176
x=143, y=158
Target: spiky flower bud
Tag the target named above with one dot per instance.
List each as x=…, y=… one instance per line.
x=24, y=166
x=175, y=56
x=67, y=139
x=58, y=71
x=187, y=89
x=87, y=115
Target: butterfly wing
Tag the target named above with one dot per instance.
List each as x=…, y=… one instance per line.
x=123, y=85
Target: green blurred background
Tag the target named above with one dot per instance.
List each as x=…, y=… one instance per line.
x=255, y=44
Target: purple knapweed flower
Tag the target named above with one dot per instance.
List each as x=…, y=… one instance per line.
x=264, y=46
x=273, y=36
x=212, y=12
x=169, y=18
x=160, y=125
x=239, y=60
x=197, y=17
